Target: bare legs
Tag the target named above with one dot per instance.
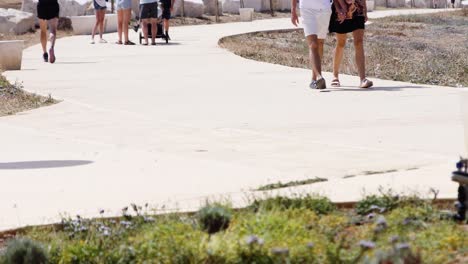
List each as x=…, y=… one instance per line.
x=52, y=37
x=123, y=18
x=100, y=15
x=166, y=26
x=358, y=36
x=358, y=40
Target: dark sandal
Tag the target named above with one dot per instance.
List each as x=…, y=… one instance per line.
x=335, y=83
x=118, y=42
x=129, y=43
x=45, y=56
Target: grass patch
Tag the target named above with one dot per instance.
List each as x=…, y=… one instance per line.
x=280, y=185
x=428, y=49
x=277, y=231
x=14, y=99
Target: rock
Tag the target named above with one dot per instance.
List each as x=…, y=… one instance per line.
x=11, y=55
x=210, y=7
x=15, y=21
x=192, y=8
x=67, y=7
x=231, y=6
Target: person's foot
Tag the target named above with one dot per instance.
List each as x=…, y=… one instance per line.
x=102, y=41
x=92, y=41
x=145, y=43
x=365, y=83
x=52, y=55
x=167, y=35
x=128, y=42
x=318, y=84
x=335, y=83
x=119, y=42
x=153, y=43
x=45, y=56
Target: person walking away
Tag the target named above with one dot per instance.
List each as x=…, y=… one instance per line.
x=149, y=15
x=349, y=16
x=168, y=8
x=315, y=17
x=100, y=11
x=124, y=12
x=48, y=14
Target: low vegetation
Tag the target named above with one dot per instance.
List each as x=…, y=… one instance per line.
x=309, y=229
x=14, y=99
x=427, y=49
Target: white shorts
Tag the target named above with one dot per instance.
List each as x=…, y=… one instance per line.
x=315, y=22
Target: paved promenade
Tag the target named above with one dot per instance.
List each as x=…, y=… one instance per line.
x=175, y=123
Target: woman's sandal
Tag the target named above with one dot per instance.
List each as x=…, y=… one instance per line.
x=118, y=42
x=129, y=43
x=335, y=83
x=366, y=84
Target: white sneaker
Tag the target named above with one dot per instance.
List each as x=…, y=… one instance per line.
x=102, y=41
x=92, y=41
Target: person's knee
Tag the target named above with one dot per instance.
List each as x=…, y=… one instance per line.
x=313, y=44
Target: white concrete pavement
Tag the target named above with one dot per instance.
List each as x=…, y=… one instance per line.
x=173, y=124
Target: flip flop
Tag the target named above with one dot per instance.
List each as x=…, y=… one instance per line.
x=129, y=43
x=335, y=83
x=154, y=43
x=366, y=84
x=118, y=42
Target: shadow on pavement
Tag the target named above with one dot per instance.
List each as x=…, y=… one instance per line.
x=376, y=88
x=42, y=164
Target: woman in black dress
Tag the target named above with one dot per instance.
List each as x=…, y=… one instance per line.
x=349, y=16
x=48, y=13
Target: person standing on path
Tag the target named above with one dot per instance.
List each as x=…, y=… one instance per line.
x=124, y=13
x=149, y=15
x=100, y=10
x=315, y=17
x=349, y=16
x=168, y=7
x=48, y=14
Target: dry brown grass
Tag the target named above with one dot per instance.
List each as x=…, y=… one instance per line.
x=13, y=99
x=429, y=49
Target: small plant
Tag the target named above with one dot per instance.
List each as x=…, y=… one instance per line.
x=24, y=251
x=214, y=218
x=320, y=205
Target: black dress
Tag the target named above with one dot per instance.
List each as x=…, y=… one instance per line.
x=48, y=9
x=348, y=25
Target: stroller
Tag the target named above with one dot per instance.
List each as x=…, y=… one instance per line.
x=159, y=26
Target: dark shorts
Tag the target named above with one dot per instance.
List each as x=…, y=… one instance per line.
x=166, y=13
x=149, y=10
x=98, y=7
x=48, y=9
x=349, y=25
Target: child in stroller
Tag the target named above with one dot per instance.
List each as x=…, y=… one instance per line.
x=150, y=20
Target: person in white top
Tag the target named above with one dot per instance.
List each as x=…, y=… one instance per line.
x=100, y=10
x=315, y=18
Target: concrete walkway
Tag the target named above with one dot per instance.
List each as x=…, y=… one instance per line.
x=175, y=123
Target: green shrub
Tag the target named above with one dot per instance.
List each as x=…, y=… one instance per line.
x=214, y=218
x=387, y=201
x=24, y=251
x=320, y=205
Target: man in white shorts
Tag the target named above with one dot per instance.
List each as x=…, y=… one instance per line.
x=315, y=17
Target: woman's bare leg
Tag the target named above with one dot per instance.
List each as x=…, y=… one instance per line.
x=127, y=13
x=120, y=18
x=43, y=25
x=338, y=56
x=358, y=36
x=96, y=25
x=102, y=15
x=144, y=23
x=154, y=30
x=314, y=57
